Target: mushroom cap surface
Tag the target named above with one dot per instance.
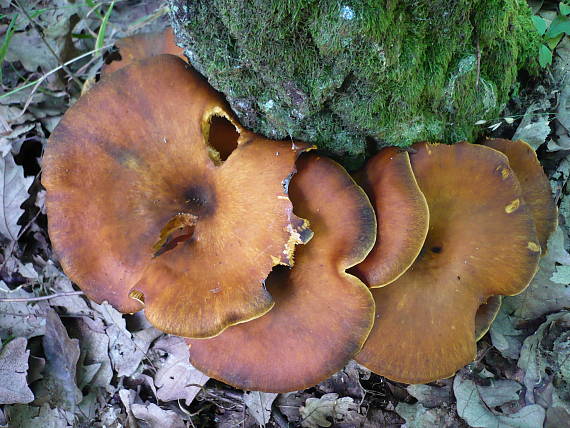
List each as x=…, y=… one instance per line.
x=322, y=315
x=142, y=209
x=144, y=45
x=536, y=189
x=486, y=314
x=402, y=215
x=481, y=242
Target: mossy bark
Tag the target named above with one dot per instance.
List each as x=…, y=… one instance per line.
x=353, y=76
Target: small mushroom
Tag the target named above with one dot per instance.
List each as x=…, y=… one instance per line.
x=536, y=189
x=322, y=315
x=144, y=211
x=481, y=242
x=141, y=46
x=402, y=215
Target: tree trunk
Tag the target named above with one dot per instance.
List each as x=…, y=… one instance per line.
x=358, y=75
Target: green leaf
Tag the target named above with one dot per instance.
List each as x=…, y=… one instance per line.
x=564, y=9
x=103, y=28
x=553, y=42
x=539, y=24
x=81, y=36
x=544, y=56
x=560, y=24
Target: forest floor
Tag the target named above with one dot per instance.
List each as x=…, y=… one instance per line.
x=66, y=361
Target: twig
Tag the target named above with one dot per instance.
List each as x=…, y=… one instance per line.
x=39, y=299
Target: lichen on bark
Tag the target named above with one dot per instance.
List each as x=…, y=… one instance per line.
x=352, y=76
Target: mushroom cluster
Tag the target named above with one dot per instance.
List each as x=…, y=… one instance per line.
x=271, y=260
x=458, y=226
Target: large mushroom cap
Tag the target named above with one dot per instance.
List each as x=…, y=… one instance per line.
x=402, y=214
x=481, y=242
x=142, y=206
x=145, y=45
x=322, y=315
x=536, y=189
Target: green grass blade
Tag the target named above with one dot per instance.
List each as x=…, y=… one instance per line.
x=6, y=42
x=103, y=28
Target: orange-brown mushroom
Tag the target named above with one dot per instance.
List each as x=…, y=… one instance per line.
x=402, y=214
x=322, y=315
x=481, y=242
x=534, y=183
x=141, y=46
x=143, y=208
x=485, y=315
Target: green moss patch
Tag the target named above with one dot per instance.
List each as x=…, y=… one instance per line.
x=353, y=76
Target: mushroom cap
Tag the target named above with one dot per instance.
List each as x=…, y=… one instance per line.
x=402, y=214
x=481, y=242
x=486, y=314
x=322, y=315
x=536, y=189
x=141, y=46
x=142, y=208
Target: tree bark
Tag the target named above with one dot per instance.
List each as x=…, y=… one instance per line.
x=358, y=75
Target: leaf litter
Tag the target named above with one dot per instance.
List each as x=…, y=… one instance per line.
x=66, y=361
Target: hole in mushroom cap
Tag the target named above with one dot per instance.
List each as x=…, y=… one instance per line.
x=222, y=139
x=179, y=229
x=276, y=282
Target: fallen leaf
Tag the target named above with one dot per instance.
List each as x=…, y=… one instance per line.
x=545, y=356
x=499, y=392
x=56, y=281
x=90, y=405
x=289, y=404
x=329, y=409
x=543, y=295
x=156, y=417
x=418, y=416
x=176, y=377
x=128, y=397
x=430, y=396
x=58, y=387
x=26, y=416
x=505, y=336
x=125, y=349
x=346, y=382
x=20, y=319
x=13, y=193
x=94, y=367
x=13, y=370
x=259, y=405
x=472, y=408
x=534, y=127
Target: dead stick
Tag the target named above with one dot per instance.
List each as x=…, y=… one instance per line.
x=39, y=299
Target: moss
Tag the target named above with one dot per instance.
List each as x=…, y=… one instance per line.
x=344, y=74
